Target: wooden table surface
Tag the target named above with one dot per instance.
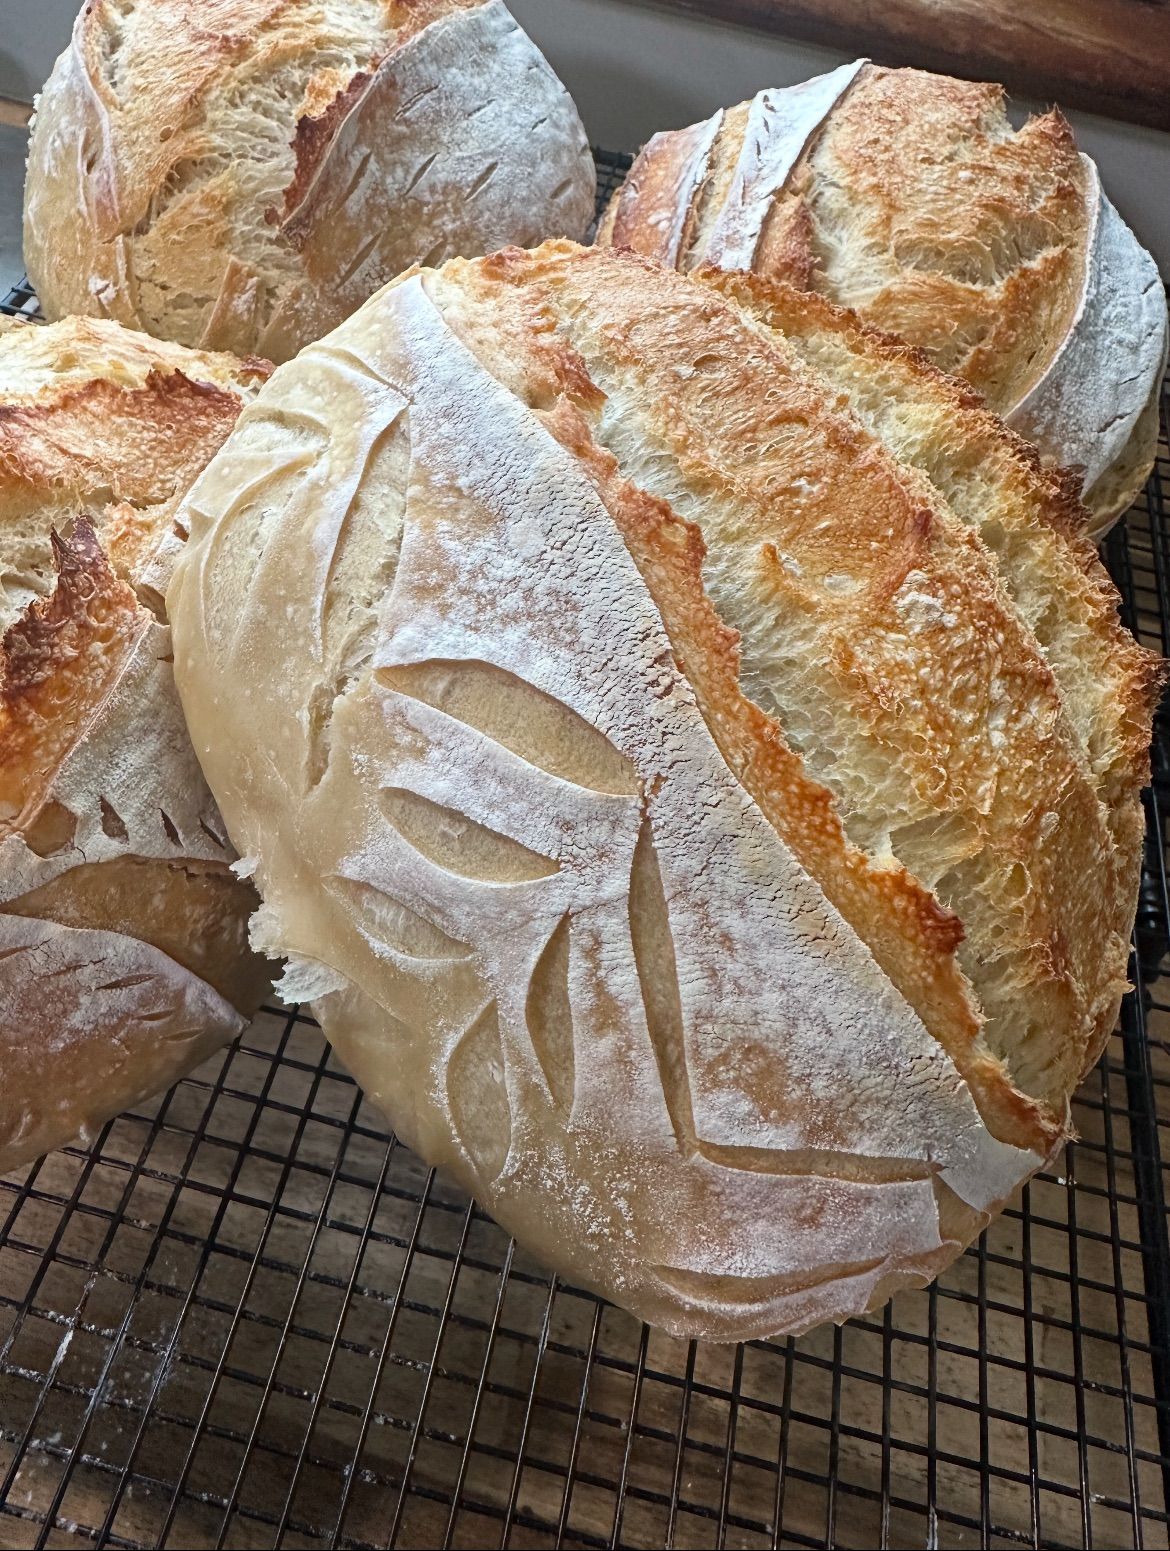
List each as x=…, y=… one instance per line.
x=1107, y=56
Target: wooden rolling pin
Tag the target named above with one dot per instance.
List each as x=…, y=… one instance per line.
x=1108, y=56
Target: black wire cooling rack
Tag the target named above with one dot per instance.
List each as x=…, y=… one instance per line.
x=248, y=1317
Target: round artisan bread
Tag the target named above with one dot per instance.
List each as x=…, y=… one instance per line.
x=241, y=174
x=909, y=197
x=701, y=797
x=123, y=932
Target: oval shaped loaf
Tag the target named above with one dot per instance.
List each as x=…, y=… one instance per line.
x=123, y=933
x=691, y=761
x=909, y=197
x=241, y=174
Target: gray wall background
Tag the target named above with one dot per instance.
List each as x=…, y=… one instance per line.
x=635, y=70
x=32, y=34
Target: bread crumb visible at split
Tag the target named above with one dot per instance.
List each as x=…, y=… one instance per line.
x=690, y=763
x=910, y=198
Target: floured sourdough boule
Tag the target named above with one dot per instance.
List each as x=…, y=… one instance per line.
x=241, y=174
x=123, y=934
x=692, y=763
x=910, y=197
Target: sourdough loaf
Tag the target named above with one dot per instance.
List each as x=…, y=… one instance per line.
x=909, y=197
x=701, y=798
x=241, y=174
x=123, y=933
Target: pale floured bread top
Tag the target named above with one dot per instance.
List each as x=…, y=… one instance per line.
x=685, y=777
x=123, y=948
x=1082, y=403
x=241, y=174
x=909, y=197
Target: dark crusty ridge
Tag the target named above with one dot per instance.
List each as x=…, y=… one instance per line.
x=1029, y=517
x=914, y=200
x=242, y=174
x=921, y=205
x=930, y=739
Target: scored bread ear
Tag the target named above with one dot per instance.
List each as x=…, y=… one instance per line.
x=1026, y=515
x=655, y=210
x=706, y=193
x=910, y=197
x=528, y=841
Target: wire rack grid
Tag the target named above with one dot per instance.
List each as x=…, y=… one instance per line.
x=246, y=1316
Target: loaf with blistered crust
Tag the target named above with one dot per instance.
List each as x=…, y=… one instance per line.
x=124, y=957
x=909, y=197
x=701, y=796
x=241, y=174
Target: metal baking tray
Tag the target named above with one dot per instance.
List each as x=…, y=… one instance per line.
x=247, y=1316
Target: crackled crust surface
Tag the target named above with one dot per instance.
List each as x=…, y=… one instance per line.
x=241, y=174
x=565, y=842
x=909, y=197
x=123, y=943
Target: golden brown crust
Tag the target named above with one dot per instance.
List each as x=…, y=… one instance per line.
x=973, y=236
x=654, y=211
x=913, y=937
x=185, y=159
x=410, y=16
x=169, y=100
x=787, y=245
x=57, y=664
x=144, y=444
x=1127, y=677
x=1032, y=518
x=115, y=880
x=99, y=419
x=914, y=598
x=911, y=199
x=556, y=854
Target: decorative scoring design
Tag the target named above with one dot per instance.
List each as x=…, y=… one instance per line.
x=245, y=1314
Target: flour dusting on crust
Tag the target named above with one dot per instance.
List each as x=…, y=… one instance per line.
x=1082, y=405
x=780, y=125
x=566, y=950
